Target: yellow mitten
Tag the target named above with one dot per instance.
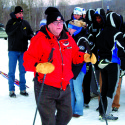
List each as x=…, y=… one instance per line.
x=45, y=68
x=87, y=57
x=91, y=59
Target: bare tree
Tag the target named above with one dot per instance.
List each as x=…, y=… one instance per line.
x=37, y=14
x=34, y=9
x=51, y=3
x=4, y=11
x=62, y=5
x=1, y=10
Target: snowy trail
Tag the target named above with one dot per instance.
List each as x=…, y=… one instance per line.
x=21, y=110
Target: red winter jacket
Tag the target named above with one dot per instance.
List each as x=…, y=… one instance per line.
x=65, y=52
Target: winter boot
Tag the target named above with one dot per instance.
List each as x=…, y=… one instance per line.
x=12, y=94
x=86, y=105
x=108, y=117
x=24, y=93
x=76, y=115
x=114, y=109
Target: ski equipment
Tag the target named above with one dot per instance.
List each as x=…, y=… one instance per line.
x=41, y=89
x=16, y=82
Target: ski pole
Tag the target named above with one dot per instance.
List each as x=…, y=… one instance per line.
x=99, y=93
x=90, y=52
x=41, y=89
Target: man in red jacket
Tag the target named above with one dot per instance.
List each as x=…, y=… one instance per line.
x=56, y=94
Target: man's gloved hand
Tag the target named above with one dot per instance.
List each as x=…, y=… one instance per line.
x=45, y=68
x=91, y=59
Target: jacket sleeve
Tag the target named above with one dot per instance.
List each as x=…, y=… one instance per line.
x=77, y=56
x=121, y=50
x=30, y=33
x=32, y=55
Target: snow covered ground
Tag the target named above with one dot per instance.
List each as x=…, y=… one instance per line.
x=21, y=110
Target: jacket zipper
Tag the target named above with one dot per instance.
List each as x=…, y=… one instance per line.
x=62, y=60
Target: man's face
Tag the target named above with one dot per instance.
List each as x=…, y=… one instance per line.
x=20, y=14
x=98, y=19
x=76, y=16
x=56, y=27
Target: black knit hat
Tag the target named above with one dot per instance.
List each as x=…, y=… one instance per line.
x=18, y=9
x=53, y=14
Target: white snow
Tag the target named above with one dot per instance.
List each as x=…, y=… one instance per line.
x=21, y=110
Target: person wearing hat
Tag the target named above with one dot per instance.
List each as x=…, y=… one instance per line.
x=84, y=14
x=111, y=59
x=88, y=75
x=97, y=24
x=42, y=23
x=76, y=29
x=50, y=54
x=89, y=17
x=76, y=15
x=19, y=32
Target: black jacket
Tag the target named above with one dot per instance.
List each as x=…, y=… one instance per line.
x=110, y=43
x=89, y=17
x=81, y=42
x=19, y=32
x=96, y=28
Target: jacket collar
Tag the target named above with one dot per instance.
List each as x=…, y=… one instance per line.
x=49, y=35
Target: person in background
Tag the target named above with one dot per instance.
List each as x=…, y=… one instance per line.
x=111, y=58
x=42, y=23
x=84, y=14
x=97, y=26
x=115, y=104
x=76, y=15
x=19, y=32
x=98, y=22
x=76, y=29
x=87, y=77
x=55, y=101
x=89, y=17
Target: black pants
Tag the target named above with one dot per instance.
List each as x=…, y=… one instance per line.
x=86, y=85
x=55, y=104
x=93, y=84
x=110, y=78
